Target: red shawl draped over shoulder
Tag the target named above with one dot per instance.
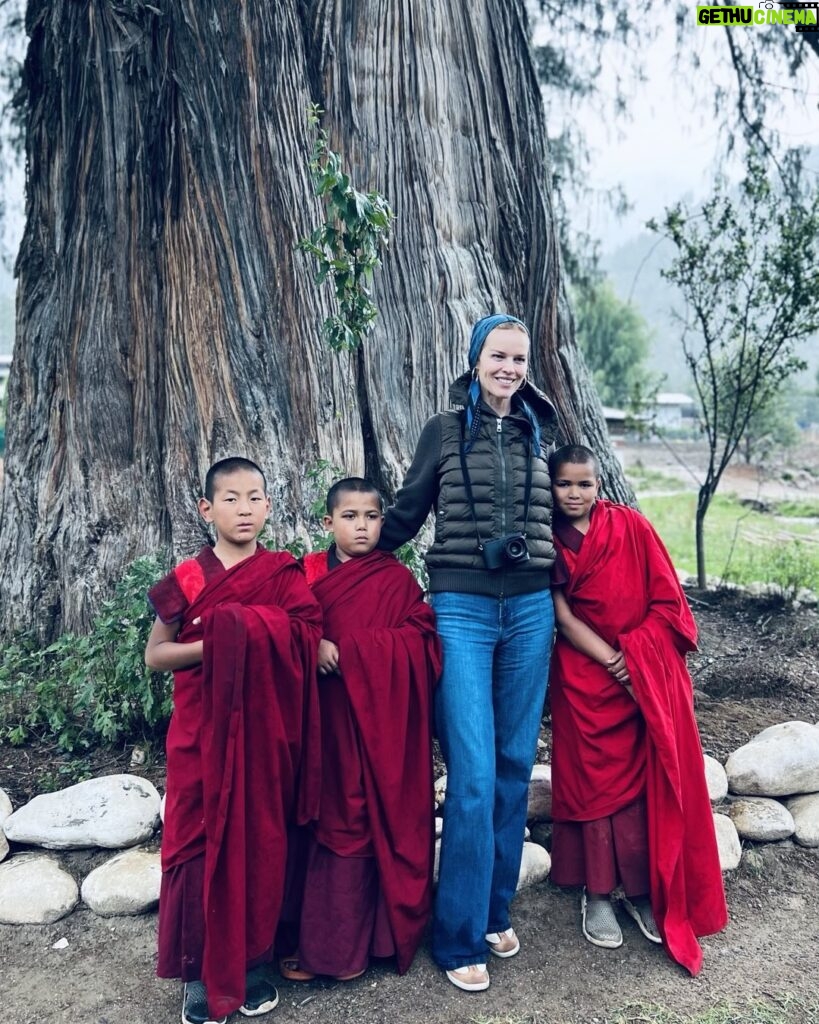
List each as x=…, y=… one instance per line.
x=607, y=748
x=243, y=753
x=389, y=661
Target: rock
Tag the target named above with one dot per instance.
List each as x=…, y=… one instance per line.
x=440, y=791
x=162, y=808
x=782, y=760
x=436, y=861
x=540, y=793
x=728, y=844
x=126, y=884
x=716, y=779
x=113, y=811
x=535, y=865
x=761, y=819
x=34, y=889
x=5, y=811
x=439, y=827
x=805, y=811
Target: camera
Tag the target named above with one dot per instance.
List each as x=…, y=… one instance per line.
x=508, y=550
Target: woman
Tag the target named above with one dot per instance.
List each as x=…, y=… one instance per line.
x=483, y=471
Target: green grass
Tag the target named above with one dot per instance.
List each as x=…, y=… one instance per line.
x=741, y=545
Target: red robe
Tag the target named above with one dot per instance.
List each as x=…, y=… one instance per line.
x=389, y=661
x=609, y=748
x=242, y=750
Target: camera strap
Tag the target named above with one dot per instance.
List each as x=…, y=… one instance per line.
x=527, y=492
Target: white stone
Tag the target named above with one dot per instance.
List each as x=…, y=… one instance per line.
x=728, y=844
x=439, y=827
x=782, y=760
x=805, y=811
x=436, y=861
x=535, y=865
x=761, y=819
x=540, y=793
x=162, y=808
x=126, y=884
x=34, y=889
x=113, y=811
x=440, y=791
x=716, y=779
x=5, y=810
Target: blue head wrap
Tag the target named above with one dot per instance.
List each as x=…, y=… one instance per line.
x=480, y=332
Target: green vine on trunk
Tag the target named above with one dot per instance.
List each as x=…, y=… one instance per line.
x=347, y=246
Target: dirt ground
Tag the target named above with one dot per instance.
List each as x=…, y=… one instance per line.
x=757, y=666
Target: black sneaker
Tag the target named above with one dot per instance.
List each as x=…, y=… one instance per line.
x=195, y=1005
x=260, y=993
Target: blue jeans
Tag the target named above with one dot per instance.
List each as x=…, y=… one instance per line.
x=488, y=707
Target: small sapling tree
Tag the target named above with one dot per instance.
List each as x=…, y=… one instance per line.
x=748, y=268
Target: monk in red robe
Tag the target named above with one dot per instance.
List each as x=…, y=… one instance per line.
x=368, y=881
x=239, y=628
x=630, y=802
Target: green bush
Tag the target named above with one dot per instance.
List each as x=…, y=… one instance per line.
x=91, y=690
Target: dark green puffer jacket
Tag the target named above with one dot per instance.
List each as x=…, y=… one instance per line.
x=497, y=470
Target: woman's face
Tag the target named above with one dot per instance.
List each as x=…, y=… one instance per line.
x=502, y=365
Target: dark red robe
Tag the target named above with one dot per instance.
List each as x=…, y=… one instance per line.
x=389, y=661
x=608, y=748
x=243, y=749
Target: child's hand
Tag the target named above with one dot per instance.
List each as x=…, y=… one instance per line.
x=616, y=665
x=327, y=657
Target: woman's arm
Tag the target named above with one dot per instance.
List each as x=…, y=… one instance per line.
x=418, y=493
x=164, y=654
x=585, y=640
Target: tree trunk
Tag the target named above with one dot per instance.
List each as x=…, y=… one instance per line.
x=706, y=492
x=165, y=318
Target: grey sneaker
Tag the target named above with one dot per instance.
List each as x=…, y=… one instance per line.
x=640, y=909
x=600, y=925
x=195, y=1005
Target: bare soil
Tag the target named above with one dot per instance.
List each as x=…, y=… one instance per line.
x=757, y=666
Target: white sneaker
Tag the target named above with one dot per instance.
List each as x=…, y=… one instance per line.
x=474, y=978
x=504, y=943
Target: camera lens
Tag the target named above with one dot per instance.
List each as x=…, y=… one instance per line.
x=515, y=549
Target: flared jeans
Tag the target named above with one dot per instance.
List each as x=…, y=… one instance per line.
x=488, y=708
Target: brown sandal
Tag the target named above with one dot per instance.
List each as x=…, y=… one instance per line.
x=290, y=970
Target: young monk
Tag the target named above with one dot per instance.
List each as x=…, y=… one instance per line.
x=630, y=802
x=239, y=628
x=369, y=865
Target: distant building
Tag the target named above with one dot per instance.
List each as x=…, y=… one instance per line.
x=674, y=411
x=615, y=421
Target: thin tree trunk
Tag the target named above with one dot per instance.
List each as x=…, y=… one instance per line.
x=165, y=318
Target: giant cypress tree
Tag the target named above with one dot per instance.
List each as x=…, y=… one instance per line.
x=165, y=316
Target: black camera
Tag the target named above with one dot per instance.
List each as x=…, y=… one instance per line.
x=508, y=550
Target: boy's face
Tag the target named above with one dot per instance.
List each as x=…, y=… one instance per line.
x=574, y=489
x=239, y=507
x=355, y=524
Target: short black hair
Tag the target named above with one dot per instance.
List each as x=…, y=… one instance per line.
x=355, y=485
x=577, y=454
x=224, y=467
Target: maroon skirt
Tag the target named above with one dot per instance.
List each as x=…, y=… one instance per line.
x=603, y=853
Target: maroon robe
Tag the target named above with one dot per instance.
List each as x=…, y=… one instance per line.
x=609, y=747
x=377, y=800
x=242, y=748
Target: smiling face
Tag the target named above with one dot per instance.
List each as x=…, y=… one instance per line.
x=502, y=366
x=238, y=509
x=355, y=523
x=574, y=489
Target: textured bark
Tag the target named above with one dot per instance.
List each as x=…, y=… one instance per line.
x=165, y=318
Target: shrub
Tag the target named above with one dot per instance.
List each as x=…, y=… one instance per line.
x=89, y=690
